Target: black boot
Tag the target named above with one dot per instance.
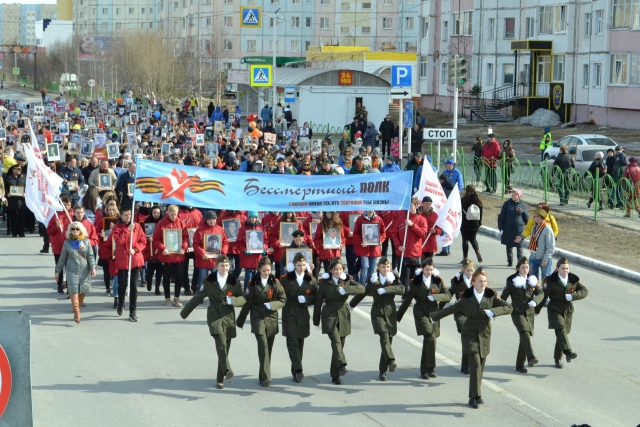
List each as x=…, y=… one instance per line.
x=115, y=302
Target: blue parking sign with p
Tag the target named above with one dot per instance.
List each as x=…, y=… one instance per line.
x=401, y=76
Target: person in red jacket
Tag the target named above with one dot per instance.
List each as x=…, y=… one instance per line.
x=130, y=242
x=416, y=227
x=231, y=231
x=250, y=240
x=430, y=246
x=171, y=261
x=279, y=247
x=365, y=250
x=307, y=227
x=389, y=220
x=490, y=157
x=142, y=212
x=78, y=215
x=152, y=263
x=269, y=221
x=105, y=249
x=192, y=218
x=57, y=231
x=353, y=260
x=208, y=248
x=329, y=239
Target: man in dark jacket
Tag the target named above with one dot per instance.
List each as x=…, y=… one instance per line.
x=73, y=180
x=564, y=162
x=326, y=169
x=355, y=127
x=414, y=164
x=122, y=189
x=416, y=139
x=387, y=129
x=93, y=165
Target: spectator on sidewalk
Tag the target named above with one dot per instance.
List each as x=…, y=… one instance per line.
x=490, y=156
x=542, y=245
x=632, y=173
x=598, y=170
x=550, y=220
x=509, y=155
x=511, y=221
x=564, y=162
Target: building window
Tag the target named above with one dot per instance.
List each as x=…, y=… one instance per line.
x=507, y=73
x=445, y=30
x=131, y=11
x=271, y=23
x=425, y=27
x=410, y=47
x=489, y=80
x=386, y=23
x=587, y=24
x=150, y=11
x=252, y=1
x=597, y=75
x=306, y=46
x=142, y=10
x=345, y=30
x=117, y=11
x=490, y=29
x=444, y=77
x=621, y=14
x=150, y=25
x=546, y=19
x=509, y=28
x=462, y=23
x=271, y=45
x=208, y=21
x=324, y=23
x=275, y=1
x=105, y=11
x=295, y=45
x=408, y=23
x=424, y=66
x=228, y=21
x=388, y=2
x=307, y=22
x=325, y=2
x=345, y=5
x=175, y=5
x=366, y=6
x=295, y=22
x=228, y=44
x=118, y=25
x=585, y=75
x=296, y=2
x=366, y=30
x=561, y=19
x=618, y=72
x=634, y=69
x=251, y=45
x=530, y=28
x=558, y=68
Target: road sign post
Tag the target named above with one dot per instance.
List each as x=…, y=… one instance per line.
x=91, y=84
x=401, y=88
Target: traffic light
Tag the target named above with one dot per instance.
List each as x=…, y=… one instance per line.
x=452, y=71
x=461, y=71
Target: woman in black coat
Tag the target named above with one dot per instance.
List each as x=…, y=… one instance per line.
x=469, y=228
x=511, y=222
x=597, y=169
x=16, y=205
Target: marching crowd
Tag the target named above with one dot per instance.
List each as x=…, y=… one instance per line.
x=101, y=227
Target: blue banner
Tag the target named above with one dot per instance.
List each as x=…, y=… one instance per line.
x=167, y=183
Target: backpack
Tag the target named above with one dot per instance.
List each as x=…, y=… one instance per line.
x=473, y=213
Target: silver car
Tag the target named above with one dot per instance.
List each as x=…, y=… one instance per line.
x=579, y=140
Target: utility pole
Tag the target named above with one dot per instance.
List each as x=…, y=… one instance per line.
x=457, y=78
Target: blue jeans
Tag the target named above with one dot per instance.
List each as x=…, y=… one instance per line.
x=367, y=267
x=248, y=274
x=204, y=272
x=535, y=264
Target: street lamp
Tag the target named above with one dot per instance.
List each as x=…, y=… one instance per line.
x=273, y=69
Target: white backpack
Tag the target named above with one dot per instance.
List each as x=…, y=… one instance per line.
x=473, y=213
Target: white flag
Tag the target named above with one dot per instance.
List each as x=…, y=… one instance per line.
x=430, y=186
x=450, y=218
x=42, y=189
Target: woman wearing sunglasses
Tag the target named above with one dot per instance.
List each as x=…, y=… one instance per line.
x=77, y=258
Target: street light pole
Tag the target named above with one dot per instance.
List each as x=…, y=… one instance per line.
x=273, y=67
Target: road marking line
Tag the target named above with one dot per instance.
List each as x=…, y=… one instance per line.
x=450, y=362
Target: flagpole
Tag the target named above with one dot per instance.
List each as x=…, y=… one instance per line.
x=404, y=242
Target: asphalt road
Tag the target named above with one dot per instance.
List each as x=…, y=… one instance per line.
x=108, y=371
x=26, y=95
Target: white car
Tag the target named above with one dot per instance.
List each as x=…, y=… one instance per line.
x=575, y=140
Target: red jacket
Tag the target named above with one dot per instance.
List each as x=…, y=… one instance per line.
x=104, y=246
x=415, y=235
x=251, y=260
x=57, y=236
x=234, y=247
x=389, y=218
x=268, y=222
x=91, y=231
x=491, y=154
x=158, y=240
x=368, y=251
x=323, y=253
x=191, y=218
x=121, y=236
x=140, y=218
x=432, y=244
x=146, y=252
x=344, y=216
x=198, y=246
x=274, y=239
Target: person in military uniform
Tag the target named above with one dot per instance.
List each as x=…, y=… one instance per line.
x=460, y=283
x=383, y=286
x=525, y=295
x=225, y=293
x=333, y=290
x=429, y=290
x=301, y=289
x=479, y=304
x=265, y=296
x=560, y=289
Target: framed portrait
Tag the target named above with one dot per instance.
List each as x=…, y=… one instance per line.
x=227, y=134
x=290, y=253
x=209, y=135
x=149, y=228
x=212, y=243
x=304, y=146
x=72, y=148
x=130, y=189
x=90, y=122
x=191, y=232
x=63, y=128
x=371, y=234
x=212, y=150
x=304, y=132
x=16, y=190
x=113, y=151
x=231, y=228
x=270, y=138
x=72, y=185
x=86, y=149
x=286, y=229
x=246, y=141
x=3, y=133
x=316, y=147
x=199, y=140
x=106, y=225
x=133, y=118
x=255, y=241
x=257, y=166
x=192, y=132
x=100, y=141
x=331, y=239
x=217, y=126
x=104, y=181
x=130, y=129
x=366, y=161
x=53, y=152
x=352, y=221
x=166, y=148
x=172, y=239
x=313, y=226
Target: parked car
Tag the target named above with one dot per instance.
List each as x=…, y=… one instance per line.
x=578, y=140
x=582, y=155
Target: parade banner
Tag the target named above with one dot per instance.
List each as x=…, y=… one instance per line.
x=450, y=218
x=167, y=183
x=41, y=192
x=430, y=186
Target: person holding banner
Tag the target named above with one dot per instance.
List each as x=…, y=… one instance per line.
x=353, y=260
x=205, y=261
x=248, y=260
x=370, y=252
x=130, y=242
x=331, y=231
x=171, y=261
x=408, y=238
x=57, y=230
x=430, y=246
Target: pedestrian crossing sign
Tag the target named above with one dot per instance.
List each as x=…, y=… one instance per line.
x=261, y=75
x=250, y=16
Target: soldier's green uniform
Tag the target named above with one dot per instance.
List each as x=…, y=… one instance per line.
x=428, y=296
x=336, y=317
x=524, y=299
x=476, y=332
x=560, y=310
x=220, y=316
x=264, y=321
x=296, y=321
x=457, y=288
x=384, y=318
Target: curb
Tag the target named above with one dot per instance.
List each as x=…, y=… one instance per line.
x=579, y=259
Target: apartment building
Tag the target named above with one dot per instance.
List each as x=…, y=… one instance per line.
x=104, y=18
x=18, y=22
